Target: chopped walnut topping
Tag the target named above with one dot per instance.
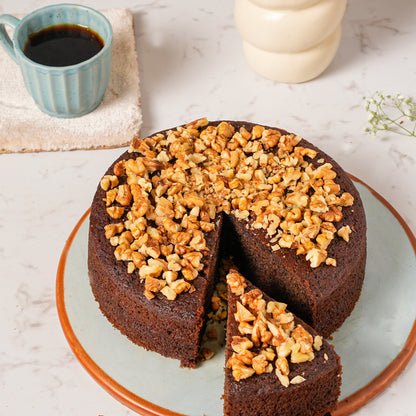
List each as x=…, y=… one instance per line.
x=330, y=261
x=303, y=338
x=317, y=342
x=283, y=365
x=333, y=214
x=178, y=181
x=282, y=378
x=124, y=195
x=241, y=344
x=245, y=357
x=268, y=337
x=316, y=256
x=261, y=333
x=236, y=282
x=345, y=232
x=180, y=286
x=243, y=314
x=297, y=380
x=346, y=199
x=109, y=182
x=169, y=293
x=254, y=300
x=261, y=365
x=115, y=212
x=153, y=285
x=112, y=229
x=241, y=371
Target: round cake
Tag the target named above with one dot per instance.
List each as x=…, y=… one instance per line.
x=179, y=200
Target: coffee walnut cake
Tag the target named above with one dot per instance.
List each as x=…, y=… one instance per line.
x=179, y=200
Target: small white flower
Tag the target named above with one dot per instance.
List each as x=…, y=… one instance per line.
x=391, y=113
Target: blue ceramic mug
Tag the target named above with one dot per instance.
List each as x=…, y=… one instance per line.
x=61, y=91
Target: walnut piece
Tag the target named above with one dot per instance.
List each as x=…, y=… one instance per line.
x=109, y=182
x=345, y=232
x=243, y=314
x=240, y=372
x=236, y=282
x=297, y=380
x=241, y=344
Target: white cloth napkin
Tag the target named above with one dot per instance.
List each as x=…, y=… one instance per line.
x=24, y=128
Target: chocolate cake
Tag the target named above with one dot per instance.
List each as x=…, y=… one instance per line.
x=286, y=210
x=275, y=363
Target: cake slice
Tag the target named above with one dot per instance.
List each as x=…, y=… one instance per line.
x=276, y=365
x=168, y=320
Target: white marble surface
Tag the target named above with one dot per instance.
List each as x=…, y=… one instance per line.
x=191, y=64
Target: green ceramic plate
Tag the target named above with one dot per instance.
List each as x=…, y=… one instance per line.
x=374, y=343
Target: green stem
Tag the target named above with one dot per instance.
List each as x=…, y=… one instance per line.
x=396, y=124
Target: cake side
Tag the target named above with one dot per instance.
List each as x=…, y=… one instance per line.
x=312, y=386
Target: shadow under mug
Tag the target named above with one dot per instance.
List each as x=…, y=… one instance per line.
x=67, y=91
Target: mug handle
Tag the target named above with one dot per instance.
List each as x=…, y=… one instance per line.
x=5, y=40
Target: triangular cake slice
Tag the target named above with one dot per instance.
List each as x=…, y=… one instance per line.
x=275, y=363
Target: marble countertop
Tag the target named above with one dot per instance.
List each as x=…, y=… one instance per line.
x=191, y=65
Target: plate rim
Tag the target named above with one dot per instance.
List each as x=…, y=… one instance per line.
x=136, y=403
x=117, y=390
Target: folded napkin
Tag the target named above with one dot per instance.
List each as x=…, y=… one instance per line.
x=24, y=128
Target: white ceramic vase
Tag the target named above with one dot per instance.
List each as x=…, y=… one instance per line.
x=290, y=40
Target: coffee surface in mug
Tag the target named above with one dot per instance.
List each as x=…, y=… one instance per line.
x=63, y=45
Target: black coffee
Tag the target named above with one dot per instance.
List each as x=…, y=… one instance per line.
x=63, y=45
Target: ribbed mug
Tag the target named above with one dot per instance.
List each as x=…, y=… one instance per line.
x=67, y=91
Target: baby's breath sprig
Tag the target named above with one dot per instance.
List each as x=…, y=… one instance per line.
x=394, y=113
